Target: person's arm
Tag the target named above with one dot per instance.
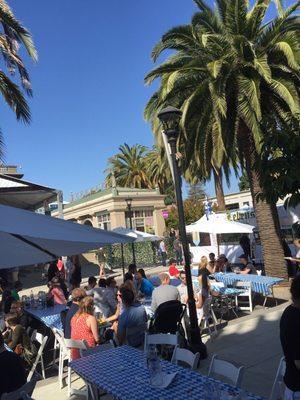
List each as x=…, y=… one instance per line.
x=153, y=302
x=121, y=331
x=245, y=271
x=94, y=328
x=199, y=301
x=16, y=337
x=115, y=316
x=210, y=269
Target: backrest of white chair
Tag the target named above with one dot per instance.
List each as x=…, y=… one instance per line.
x=26, y=389
x=185, y=356
x=75, y=344
x=160, y=338
x=277, y=388
x=102, y=347
x=243, y=284
x=226, y=369
x=37, y=337
x=218, y=284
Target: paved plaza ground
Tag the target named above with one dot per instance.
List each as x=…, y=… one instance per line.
x=252, y=341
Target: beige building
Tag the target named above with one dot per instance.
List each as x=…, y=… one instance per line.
x=239, y=200
x=107, y=209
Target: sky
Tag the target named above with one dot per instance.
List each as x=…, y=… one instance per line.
x=88, y=90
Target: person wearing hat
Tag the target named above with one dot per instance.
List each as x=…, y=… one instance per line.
x=55, y=292
x=248, y=267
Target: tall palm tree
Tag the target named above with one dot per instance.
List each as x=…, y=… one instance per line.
x=233, y=70
x=128, y=167
x=12, y=35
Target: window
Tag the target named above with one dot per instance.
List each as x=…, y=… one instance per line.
x=104, y=221
x=246, y=203
x=233, y=206
x=142, y=220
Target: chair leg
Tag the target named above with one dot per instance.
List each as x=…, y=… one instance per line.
x=69, y=381
x=54, y=350
x=43, y=367
x=60, y=369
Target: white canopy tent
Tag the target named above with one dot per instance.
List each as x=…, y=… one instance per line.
x=139, y=236
x=218, y=224
x=28, y=238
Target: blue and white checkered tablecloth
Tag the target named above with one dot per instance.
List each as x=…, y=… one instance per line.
x=49, y=316
x=221, y=290
x=259, y=284
x=123, y=373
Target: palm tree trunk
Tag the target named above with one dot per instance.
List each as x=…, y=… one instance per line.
x=219, y=188
x=266, y=214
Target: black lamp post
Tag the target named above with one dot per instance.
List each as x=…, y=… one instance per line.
x=170, y=117
x=129, y=202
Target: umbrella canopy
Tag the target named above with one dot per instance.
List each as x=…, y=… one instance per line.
x=217, y=224
x=137, y=235
x=29, y=238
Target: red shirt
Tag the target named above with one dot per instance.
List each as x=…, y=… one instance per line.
x=173, y=271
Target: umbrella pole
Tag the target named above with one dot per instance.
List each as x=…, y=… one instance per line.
x=218, y=245
x=123, y=263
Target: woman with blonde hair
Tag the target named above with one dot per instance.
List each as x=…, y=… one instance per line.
x=204, y=267
x=84, y=325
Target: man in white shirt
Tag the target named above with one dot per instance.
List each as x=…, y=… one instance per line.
x=182, y=288
x=163, y=252
x=164, y=292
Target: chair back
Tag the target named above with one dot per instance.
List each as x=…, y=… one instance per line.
x=23, y=392
x=168, y=317
x=243, y=284
x=227, y=370
x=38, y=356
x=160, y=339
x=185, y=356
x=278, y=384
x=37, y=337
x=75, y=344
x=92, y=350
x=218, y=284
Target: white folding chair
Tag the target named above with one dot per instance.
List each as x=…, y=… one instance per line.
x=69, y=345
x=246, y=293
x=63, y=354
x=42, y=340
x=161, y=339
x=277, y=391
x=227, y=370
x=185, y=356
x=23, y=392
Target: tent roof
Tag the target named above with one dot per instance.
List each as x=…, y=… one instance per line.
x=217, y=224
x=22, y=194
x=138, y=235
x=28, y=238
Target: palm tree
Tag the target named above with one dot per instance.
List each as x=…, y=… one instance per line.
x=228, y=72
x=128, y=167
x=12, y=35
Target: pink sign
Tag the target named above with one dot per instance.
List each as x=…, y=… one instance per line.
x=165, y=214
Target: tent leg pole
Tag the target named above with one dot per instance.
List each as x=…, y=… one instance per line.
x=123, y=263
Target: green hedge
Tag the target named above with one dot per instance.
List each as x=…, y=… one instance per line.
x=145, y=253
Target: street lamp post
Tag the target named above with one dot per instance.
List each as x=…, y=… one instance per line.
x=129, y=202
x=170, y=117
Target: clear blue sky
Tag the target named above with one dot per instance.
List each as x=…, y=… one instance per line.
x=88, y=85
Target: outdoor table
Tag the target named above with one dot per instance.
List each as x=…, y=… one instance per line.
x=259, y=284
x=122, y=372
x=49, y=316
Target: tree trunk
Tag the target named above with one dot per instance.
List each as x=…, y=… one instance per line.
x=219, y=189
x=266, y=214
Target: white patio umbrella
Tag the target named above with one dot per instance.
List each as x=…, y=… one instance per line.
x=29, y=238
x=139, y=236
x=218, y=224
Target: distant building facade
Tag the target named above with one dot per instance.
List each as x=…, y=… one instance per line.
x=107, y=209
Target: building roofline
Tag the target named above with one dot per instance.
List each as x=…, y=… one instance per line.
x=232, y=194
